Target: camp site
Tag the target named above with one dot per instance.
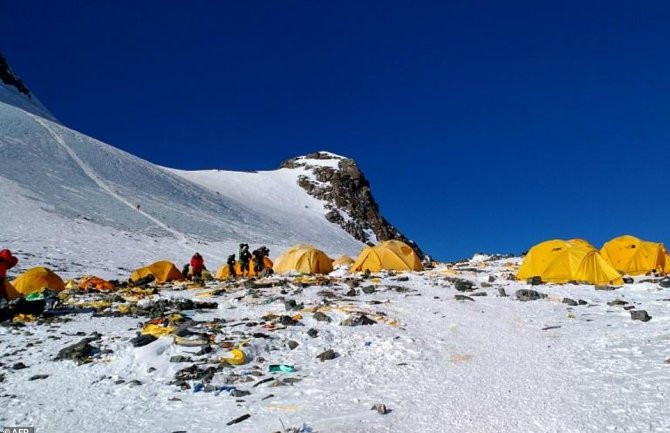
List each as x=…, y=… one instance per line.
x=334, y=217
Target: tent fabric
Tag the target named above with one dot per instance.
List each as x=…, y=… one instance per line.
x=561, y=261
x=391, y=255
x=92, y=282
x=223, y=272
x=305, y=259
x=343, y=262
x=634, y=256
x=35, y=280
x=163, y=271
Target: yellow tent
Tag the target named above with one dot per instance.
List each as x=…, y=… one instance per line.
x=223, y=272
x=560, y=261
x=34, y=280
x=303, y=258
x=163, y=271
x=395, y=255
x=634, y=256
x=343, y=262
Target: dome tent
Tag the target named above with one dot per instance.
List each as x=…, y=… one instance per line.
x=305, y=259
x=634, y=256
x=163, y=272
x=34, y=280
x=561, y=261
x=391, y=255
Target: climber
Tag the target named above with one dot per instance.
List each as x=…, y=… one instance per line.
x=244, y=257
x=231, y=265
x=197, y=265
x=7, y=261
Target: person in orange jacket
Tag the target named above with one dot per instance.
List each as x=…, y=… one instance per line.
x=197, y=265
x=7, y=261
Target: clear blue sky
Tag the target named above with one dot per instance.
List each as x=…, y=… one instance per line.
x=482, y=125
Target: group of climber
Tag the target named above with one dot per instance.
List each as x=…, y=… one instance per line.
x=248, y=262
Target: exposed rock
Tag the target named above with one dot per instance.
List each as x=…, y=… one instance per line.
x=570, y=302
x=525, y=295
x=463, y=298
x=79, y=352
x=369, y=290
x=239, y=419
x=322, y=317
x=351, y=292
x=665, y=283
x=357, y=320
x=348, y=198
x=617, y=302
x=38, y=377
x=640, y=315
x=380, y=408
x=313, y=333
x=464, y=285
x=292, y=344
x=535, y=281
x=327, y=355
x=143, y=340
x=501, y=292
x=605, y=287
x=19, y=366
x=9, y=78
x=180, y=358
x=628, y=280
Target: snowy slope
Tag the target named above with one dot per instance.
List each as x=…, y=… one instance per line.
x=70, y=178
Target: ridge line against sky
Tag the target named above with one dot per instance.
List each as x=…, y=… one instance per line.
x=481, y=126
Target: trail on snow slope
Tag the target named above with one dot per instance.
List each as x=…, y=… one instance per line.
x=181, y=238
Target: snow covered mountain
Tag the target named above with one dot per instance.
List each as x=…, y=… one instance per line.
x=81, y=205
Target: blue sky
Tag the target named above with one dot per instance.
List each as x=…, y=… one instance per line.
x=481, y=125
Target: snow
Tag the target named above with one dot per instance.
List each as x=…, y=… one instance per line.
x=487, y=365
x=65, y=186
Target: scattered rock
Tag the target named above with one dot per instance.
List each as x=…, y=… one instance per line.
x=464, y=286
x=239, y=419
x=665, y=283
x=79, y=352
x=380, y=408
x=321, y=317
x=19, y=366
x=628, y=280
x=239, y=393
x=491, y=278
x=582, y=302
x=292, y=344
x=351, y=292
x=501, y=292
x=180, y=358
x=605, y=287
x=463, y=298
x=479, y=294
x=143, y=340
x=358, y=320
x=617, y=302
x=134, y=383
x=535, y=281
x=369, y=290
x=570, y=302
x=313, y=333
x=402, y=278
x=288, y=321
x=38, y=377
x=526, y=295
x=327, y=355
x=291, y=304
x=640, y=315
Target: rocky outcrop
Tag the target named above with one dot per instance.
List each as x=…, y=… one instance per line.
x=8, y=77
x=347, y=197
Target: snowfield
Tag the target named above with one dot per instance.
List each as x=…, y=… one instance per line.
x=489, y=364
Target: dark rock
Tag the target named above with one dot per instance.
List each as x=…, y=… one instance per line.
x=502, y=292
x=351, y=292
x=582, y=302
x=605, y=287
x=209, y=388
x=402, y=278
x=291, y=304
x=79, y=352
x=491, y=278
x=327, y=355
x=195, y=373
x=628, y=307
x=239, y=393
x=288, y=321
x=134, y=383
x=321, y=317
x=180, y=358
x=239, y=419
x=665, y=283
x=479, y=294
x=38, y=376
x=292, y=344
x=628, y=280
x=313, y=333
x=485, y=285
x=369, y=290
x=463, y=298
x=357, y=320
x=535, y=281
x=617, y=302
x=525, y=295
x=570, y=302
x=464, y=286
x=380, y=408
x=640, y=315
x=143, y=340
x=19, y=366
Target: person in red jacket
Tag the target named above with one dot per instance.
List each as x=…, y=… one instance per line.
x=7, y=261
x=197, y=265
